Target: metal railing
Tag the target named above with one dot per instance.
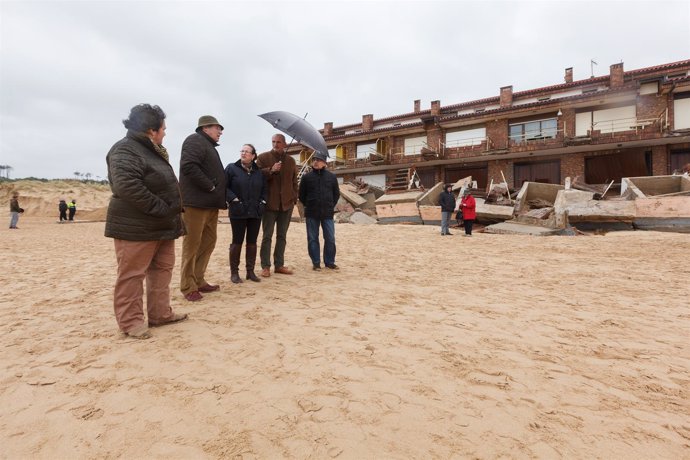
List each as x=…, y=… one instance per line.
x=543, y=136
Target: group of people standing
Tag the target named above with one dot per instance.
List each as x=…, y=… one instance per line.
x=465, y=209
x=149, y=209
x=64, y=207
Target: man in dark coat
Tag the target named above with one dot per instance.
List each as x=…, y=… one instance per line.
x=447, y=202
x=62, y=207
x=202, y=183
x=319, y=193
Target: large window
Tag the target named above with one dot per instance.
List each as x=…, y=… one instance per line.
x=465, y=137
x=533, y=130
x=364, y=150
x=606, y=120
x=413, y=145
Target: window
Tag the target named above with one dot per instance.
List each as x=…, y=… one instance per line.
x=413, y=145
x=534, y=130
x=465, y=137
x=606, y=120
x=363, y=150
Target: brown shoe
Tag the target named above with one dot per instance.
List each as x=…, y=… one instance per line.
x=193, y=296
x=177, y=317
x=209, y=288
x=283, y=270
x=140, y=332
x=266, y=272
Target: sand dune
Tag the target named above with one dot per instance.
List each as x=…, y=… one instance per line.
x=421, y=346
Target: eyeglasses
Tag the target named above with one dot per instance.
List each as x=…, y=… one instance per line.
x=246, y=151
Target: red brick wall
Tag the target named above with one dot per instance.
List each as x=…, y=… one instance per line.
x=650, y=106
x=497, y=131
x=660, y=160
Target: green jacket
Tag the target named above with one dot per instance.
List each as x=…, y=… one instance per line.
x=146, y=202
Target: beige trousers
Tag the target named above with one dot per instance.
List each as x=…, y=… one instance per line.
x=197, y=246
x=137, y=261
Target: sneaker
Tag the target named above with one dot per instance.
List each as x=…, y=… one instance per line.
x=316, y=268
x=333, y=267
x=193, y=296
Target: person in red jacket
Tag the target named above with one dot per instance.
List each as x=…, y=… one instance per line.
x=468, y=206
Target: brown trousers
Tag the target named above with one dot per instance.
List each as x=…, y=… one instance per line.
x=138, y=260
x=197, y=246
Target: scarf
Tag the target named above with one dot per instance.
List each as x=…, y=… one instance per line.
x=144, y=139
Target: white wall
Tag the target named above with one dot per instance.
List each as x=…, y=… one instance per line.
x=378, y=180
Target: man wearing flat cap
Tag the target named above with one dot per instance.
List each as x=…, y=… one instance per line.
x=202, y=183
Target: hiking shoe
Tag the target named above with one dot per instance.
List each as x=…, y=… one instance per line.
x=209, y=288
x=316, y=268
x=333, y=267
x=193, y=296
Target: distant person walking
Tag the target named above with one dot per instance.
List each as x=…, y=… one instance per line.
x=280, y=170
x=15, y=210
x=319, y=193
x=246, y=193
x=144, y=221
x=62, y=207
x=468, y=207
x=447, y=202
x=72, y=206
x=202, y=181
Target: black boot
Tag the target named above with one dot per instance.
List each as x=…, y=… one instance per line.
x=250, y=259
x=235, y=252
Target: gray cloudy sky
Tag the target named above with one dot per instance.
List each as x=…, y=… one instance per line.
x=71, y=70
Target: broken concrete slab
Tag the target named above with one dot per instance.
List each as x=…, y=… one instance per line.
x=353, y=198
x=398, y=208
x=431, y=196
x=360, y=218
x=582, y=211
x=515, y=228
x=492, y=213
x=535, y=191
x=431, y=215
x=654, y=186
x=668, y=214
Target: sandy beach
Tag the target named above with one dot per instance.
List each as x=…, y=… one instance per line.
x=421, y=346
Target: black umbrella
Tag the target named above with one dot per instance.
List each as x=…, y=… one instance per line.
x=299, y=128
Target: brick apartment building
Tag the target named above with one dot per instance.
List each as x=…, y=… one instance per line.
x=626, y=124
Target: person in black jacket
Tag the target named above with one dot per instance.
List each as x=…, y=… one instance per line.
x=319, y=193
x=62, y=207
x=245, y=193
x=144, y=221
x=447, y=202
x=202, y=182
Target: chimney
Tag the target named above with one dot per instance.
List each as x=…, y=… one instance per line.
x=417, y=107
x=569, y=75
x=367, y=122
x=435, y=108
x=328, y=128
x=507, y=96
x=616, y=76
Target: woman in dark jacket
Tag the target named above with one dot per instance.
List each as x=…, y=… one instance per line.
x=245, y=193
x=144, y=221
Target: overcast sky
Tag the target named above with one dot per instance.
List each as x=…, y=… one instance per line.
x=71, y=70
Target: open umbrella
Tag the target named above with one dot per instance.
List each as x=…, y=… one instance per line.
x=299, y=128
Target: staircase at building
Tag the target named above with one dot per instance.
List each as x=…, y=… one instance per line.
x=401, y=181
